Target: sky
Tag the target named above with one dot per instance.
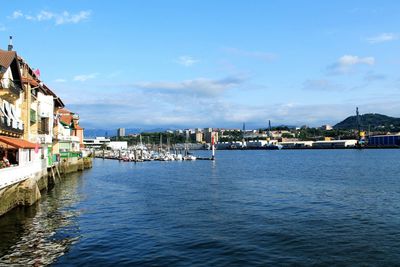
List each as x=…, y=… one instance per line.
x=186, y=64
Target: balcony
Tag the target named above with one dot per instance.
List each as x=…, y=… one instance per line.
x=10, y=127
x=12, y=90
x=45, y=138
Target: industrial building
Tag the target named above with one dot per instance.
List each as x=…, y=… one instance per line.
x=384, y=140
x=335, y=144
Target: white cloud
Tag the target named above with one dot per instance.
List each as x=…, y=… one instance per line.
x=186, y=61
x=150, y=108
x=346, y=63
x=16, y=14
x=383, y=37
x=348, y=60
x=264, y=56
x=59, y=18
x=72, y=18
x=200, y=86
x=85, y=77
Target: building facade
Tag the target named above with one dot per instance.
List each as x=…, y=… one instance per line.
x=31, y=134
x=121, y=132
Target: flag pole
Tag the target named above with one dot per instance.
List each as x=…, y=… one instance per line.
x=212, y=147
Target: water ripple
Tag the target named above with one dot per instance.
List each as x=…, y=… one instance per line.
x=249, y=208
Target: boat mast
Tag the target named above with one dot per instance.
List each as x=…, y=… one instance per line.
x=160, y=142
x=269, y=129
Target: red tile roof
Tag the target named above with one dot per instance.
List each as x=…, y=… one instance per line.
x=17, y=143
x=64, y=111
x=7, y=57
x=66, y=118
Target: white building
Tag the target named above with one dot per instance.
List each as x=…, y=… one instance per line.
x=121, y=132
x=335, y=144
x=296, y=144
x=97, y=143
x=29, y=157
x=327, y=127
x=256, y=144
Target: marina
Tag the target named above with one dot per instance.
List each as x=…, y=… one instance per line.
x=142, y=154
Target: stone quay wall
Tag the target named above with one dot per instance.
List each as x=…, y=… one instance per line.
x=29, y=191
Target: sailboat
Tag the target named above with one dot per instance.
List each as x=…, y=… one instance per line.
x=188, y=156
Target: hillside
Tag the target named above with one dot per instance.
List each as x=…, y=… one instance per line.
x=372, y=120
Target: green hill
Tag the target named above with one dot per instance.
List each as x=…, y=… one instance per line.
x=375, y=121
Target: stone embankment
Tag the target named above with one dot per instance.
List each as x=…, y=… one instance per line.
x=29, y=191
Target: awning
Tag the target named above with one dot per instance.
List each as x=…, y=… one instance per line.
x=16, y=143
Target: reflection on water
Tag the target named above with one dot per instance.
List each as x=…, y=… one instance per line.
x=39, y=234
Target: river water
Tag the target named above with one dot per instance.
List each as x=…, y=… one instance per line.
x=248, y=208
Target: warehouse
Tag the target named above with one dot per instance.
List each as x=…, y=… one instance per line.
x=384, y=140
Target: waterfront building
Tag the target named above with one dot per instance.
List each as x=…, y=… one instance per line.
x=70, y=120
x=121, y=132
x=20, y=157
x=257, y=144
x=384, y=140
x=38, y=110
x=30, y=130
x=335, y=144
x=97, y=143
x=13, y=147
x=296, y=144
x=208, y=136
x=10, y=95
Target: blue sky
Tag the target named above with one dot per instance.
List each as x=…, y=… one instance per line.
x=211, y=63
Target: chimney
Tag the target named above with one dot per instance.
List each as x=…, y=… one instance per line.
x=10, y=45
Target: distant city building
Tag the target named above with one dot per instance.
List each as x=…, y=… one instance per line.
x=187, y=134
x=121, y=132
x=199, y=136
x=326, y=127
x=178, y=132
x=208, y=136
